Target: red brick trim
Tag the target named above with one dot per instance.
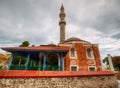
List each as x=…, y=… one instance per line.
x=51, y=74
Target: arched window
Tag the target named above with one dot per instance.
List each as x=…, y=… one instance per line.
x=72, y=51
x=89, y=53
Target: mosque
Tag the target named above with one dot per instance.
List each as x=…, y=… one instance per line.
x=72, y=54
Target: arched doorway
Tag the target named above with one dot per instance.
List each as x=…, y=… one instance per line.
x=52, y=61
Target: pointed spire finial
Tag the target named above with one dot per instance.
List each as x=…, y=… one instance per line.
x=62, y=7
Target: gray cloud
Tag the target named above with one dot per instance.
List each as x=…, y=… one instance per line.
x=102, y=15
x=26, y=20
x=97, y=21
x=117, y=36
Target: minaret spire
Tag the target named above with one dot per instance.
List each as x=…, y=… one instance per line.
x=62, y=24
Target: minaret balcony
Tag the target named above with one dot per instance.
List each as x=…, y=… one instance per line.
x=62, y=22
x=62, y=14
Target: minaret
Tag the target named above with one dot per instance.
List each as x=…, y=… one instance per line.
x=62, y=24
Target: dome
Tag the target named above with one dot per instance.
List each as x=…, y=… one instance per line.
x=74, y=39
x=52, y=44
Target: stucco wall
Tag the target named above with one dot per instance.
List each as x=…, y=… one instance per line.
x=65, y=82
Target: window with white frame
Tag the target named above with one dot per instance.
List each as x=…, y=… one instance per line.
x=92, y=68
x=73, y=68
x=89, y=53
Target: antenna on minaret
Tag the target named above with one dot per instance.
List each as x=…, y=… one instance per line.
x=62, y=23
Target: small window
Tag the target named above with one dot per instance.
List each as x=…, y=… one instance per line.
x=92, y=68
x=73, y=68
x=89, y=53
x=72, y=52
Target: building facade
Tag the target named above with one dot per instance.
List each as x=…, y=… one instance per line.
x=72, y=54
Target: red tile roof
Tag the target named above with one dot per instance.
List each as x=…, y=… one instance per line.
x=37, y=48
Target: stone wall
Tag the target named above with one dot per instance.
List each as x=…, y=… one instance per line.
x=117, y=75
x=64, y=82
x=57, y=79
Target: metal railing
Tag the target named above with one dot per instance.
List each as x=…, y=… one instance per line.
x=52, y=67
x=16, y=67
x=34, y=67
x=48, y=67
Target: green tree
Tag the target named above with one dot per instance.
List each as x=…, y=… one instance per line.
x=105, y=60
x=16, y=60
x=25, y=44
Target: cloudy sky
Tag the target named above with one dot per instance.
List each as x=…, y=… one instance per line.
x=97, y=21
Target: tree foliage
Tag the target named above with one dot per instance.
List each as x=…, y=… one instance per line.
x=25, y=44
x=17, y=58
x=105, y=60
